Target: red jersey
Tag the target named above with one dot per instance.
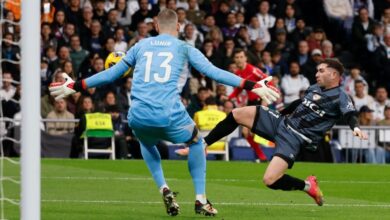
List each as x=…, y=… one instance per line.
x=250, y=73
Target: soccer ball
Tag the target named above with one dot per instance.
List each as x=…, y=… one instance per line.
x=113, y=58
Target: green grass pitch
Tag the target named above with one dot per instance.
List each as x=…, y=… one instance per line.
x=104, y=189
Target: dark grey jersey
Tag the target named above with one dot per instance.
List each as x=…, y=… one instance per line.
x=319, y=111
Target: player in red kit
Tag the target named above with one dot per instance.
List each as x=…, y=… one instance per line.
x=249, y=72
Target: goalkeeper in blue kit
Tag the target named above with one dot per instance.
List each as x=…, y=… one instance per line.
x=156, y=112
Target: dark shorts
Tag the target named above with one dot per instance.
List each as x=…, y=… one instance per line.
x=271, y=125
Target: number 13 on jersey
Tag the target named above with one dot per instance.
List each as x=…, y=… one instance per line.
x=165, y=64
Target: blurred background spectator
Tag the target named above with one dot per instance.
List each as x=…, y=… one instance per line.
x=59, y=112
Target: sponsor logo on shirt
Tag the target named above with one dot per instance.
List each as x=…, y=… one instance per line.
x=314, y=107
x=316, y=97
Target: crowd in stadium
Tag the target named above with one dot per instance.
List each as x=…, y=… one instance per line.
x=283, y=38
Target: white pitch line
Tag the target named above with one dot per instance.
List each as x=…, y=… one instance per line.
x=209, y=180
x=354, y=182
x=12, y=201
x=218, y=203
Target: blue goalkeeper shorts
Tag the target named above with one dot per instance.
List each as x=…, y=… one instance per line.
x=178, y=132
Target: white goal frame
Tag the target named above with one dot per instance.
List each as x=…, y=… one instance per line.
x=30, y=205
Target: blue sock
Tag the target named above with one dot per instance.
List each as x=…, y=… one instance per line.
x=197, y=166
x=153, y=161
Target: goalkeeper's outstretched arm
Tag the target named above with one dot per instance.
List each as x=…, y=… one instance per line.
x=107, y=76
x=62, y=90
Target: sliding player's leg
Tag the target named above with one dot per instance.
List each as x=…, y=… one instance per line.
x=275, y=178
x=287, y=148
x=240, y=116
x=244, y=116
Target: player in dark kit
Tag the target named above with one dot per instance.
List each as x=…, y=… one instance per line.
x=301, y=124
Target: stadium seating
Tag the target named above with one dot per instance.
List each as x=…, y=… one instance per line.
x=240, y=150
x=220, y=147
x=98, y=127
x=56, y=146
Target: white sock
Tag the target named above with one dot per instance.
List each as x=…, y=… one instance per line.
x=162, y=188
x=307, y=186
x=201, y=198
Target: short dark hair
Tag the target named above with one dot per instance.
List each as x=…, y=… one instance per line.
x=381, y=87
x=335, y=64
x=210, y=101
x=361, y=9
x=108, y=38
x=294, y=62
x=180, y=9
x=45, y=24
x=355, y=66
x=202, y=88
x=120, y=28
x=359, y=81
x=228, y=39
x=206, y=41
x=238, y=50
x=208, y=15
x=226, y=101
x=75, y=35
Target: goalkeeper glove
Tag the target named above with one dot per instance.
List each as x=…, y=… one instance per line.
x=266, y=90
x=61, y=90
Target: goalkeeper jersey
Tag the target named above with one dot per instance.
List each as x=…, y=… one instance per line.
x=158, y=78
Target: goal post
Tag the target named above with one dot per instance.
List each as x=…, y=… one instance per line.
x=30, y=106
